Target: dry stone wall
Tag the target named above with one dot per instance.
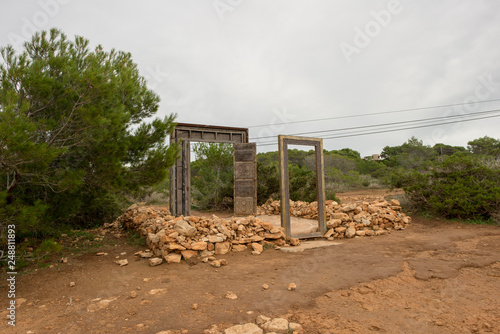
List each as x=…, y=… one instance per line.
x=350, y=219
x=172, y=238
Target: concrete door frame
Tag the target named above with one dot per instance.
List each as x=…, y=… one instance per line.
x=283, y=142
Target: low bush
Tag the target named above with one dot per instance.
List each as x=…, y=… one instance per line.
x=461, y=186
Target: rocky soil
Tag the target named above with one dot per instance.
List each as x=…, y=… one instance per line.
x=432, y=277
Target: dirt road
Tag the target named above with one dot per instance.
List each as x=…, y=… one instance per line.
x=435, y=277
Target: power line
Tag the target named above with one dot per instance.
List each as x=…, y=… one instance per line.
x=386, y=124
x=393, y=130
x=370, y=114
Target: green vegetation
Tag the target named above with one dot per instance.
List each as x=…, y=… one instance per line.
x=449, y=181
x=73, y=141
x=212, y=176
x=461, y=186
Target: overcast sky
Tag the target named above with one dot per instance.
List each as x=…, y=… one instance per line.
x=261, y=63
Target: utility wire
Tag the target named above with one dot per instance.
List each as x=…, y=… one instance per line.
x=392, y=130
x=370, y=114
x=387, y=124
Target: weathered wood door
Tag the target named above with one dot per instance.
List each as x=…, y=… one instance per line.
x=245, y=179
x=180, y=182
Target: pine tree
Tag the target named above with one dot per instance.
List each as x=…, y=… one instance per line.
x=72, y=134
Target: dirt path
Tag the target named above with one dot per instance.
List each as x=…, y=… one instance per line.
x=435, y=277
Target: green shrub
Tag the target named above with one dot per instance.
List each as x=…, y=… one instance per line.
x=212, y=176
x=462, y=186
x=268, y=183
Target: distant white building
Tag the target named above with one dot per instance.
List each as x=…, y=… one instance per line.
x=374, y=157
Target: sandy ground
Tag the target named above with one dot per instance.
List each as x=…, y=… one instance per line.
x=434, y=277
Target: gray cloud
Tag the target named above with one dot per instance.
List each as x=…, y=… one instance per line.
x=268, y=62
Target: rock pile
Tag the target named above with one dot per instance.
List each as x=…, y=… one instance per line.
x=173, y=238
x=348, y=220
x=262, y=325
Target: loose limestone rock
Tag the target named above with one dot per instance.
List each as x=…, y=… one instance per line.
x=244, y=329
x=183, y=228
x=257, y=248
x=231, y=295
x=239, y=248
x=122, y=262
x=199, y=246
x=277, y=325
x=350, y=232
x=296, y=328
x=262, y=319
x=173, y=258
x=187, y=254
x=155, y=261
x=222, y=248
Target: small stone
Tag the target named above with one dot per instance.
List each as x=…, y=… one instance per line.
x=273, y=235
x=188, y=254
x=173, y=258
x=216, y=264
x=239, y=248
x=175, y=246
x=132, y=294
x=294, y=241
x=244, y=329
x=295, y=327
x=222, y=248
x=157, y=291
x=370, y=233
x=329, y=233
x=265, y=286
x=155, y=261
x=183, y=228
x=350, y=232
x=199, y=246
x=215, y=238
x=257, y=247
x=278, y=325
x=395, y=202
x=146, y=254
x=360, y=233
x=231, y=295
x=262, y=319
x=122, y=263
x=64, y=260
x=206, y=253
x=292, y=286
x=101, y=254
x=194, y=306
x=72, y=284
